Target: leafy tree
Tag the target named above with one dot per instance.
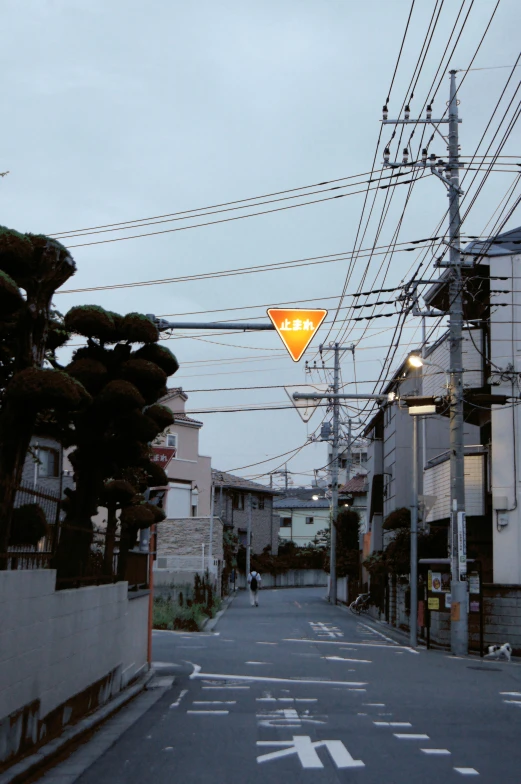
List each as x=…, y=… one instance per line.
x=32, y=268
x=124, y=371
x=347, y=546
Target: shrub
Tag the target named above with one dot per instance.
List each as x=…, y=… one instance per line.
x=160, y=355
x=29, y=525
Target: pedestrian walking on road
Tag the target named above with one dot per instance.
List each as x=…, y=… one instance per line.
x=254, y=581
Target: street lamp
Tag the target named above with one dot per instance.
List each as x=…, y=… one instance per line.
x=314, y=497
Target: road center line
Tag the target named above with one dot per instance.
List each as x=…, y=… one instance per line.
x=435, y=751
x=264, y=679
x=410, y=736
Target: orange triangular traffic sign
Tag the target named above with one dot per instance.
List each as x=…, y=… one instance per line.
x=296, y=327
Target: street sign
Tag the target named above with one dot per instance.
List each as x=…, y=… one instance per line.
x=296, y=327
x=306, y=407
x=462, y=546
x=163, y=455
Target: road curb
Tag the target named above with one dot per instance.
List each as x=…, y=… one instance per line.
x=20, y=771
x=209, y=624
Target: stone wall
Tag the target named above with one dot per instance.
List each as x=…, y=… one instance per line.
x=186, y=536
x=62, y=653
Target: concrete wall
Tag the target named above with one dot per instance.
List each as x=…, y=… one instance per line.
x=55, y=646
x=293, y=578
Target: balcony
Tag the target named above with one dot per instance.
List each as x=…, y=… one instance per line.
x=436, y=484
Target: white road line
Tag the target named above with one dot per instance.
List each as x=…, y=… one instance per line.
x=266, y=699
x=306, y=699
x=467, y=771
x=226, y=687
x=264, y=679
x=209, y=712
x=392, y=723
x=181, y=695
x=380, y=634
x=511, y=693
x=513, y=702
x=375, y=704
x=357, y=689
x=255, y=662
x=357, y=644
x=435, y=751
x=214, y=702
x=341, y=658
x=267, y=643
x=410, y=736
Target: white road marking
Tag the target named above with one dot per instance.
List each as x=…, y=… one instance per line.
x=375, y=704
x=181, y=695
x=214, y=702
x=267, y=643
x=168, y=748
x=467, y=771
x=305, y=749
x=209, y=712
x=392, y=723
x=226, y=687
x=160, y=665
x=306, y=699
x=341, y=658
x=410, y=736
x=511, y=693
x=380, y=634
x=513, y=702
x=357, y=689
x=264, y=679
x=286, y=699
x=435, y=751
x=266, y=699
x=358, y=644
x=255, y=662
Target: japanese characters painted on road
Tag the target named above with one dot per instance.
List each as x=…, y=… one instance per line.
x=305, y=750
x=306, y=408
x=163, y=455
x=296, y=327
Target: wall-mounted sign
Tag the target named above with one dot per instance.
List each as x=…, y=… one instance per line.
x=433, y=603
x=296, y=327
x=162, y=455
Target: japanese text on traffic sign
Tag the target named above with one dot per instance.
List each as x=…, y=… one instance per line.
x=296, y=327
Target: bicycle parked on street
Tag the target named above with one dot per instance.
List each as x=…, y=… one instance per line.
x=360, y=604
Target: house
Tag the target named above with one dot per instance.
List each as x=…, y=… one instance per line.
x=190, y=540
x=189, y=473
x=302, y=519
x=351, y=460
x=236, y=498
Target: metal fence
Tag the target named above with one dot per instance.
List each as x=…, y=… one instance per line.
x=103, y=563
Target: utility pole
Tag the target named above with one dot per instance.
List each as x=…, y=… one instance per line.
x=349, y=450
x=335, y=396
x=248, y=538
x=413, y=618
x=448, y=173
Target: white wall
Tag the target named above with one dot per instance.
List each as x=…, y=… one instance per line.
x=436, y=483
x=55, y=644
x=303, y=533
x=505, y=348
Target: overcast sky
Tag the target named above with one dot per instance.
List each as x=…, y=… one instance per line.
x=122, y=110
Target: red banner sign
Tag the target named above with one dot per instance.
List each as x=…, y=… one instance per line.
x=163, y=455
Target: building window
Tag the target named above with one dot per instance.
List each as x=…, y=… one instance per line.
x=261, y=502
x=285, y=522
x=171, y=440
x=238, y=500
x=49, y=462
x=309, y=520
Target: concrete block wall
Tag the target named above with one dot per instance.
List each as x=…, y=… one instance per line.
x=186, y=536
x=55, y=645
x=293, y=578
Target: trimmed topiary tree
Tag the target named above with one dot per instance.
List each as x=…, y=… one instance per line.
x=112, y=435
x=32, y=268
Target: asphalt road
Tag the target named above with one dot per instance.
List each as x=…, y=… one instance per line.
x=297, y=690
